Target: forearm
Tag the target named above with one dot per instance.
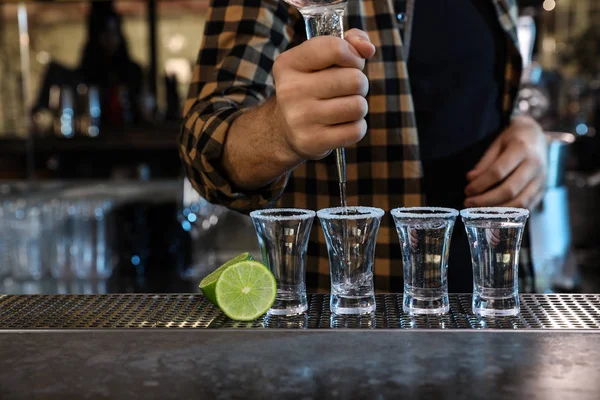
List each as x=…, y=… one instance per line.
x=256, y=152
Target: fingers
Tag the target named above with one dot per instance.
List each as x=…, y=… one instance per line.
x=361, y=42
x=537, y=198
x=502, y=167
x=338, y=82
x=341, y=110
x=508, y=190
x=493, y=237
x=531, y=196
x=486, y=161
x=328, y=138
x=413, y=238
x=512, y=172
x=320, y=90
x=320, y=53
x=346, y=134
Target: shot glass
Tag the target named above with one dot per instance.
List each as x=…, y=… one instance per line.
x=283, y=238
x=495, y=240
x=425, y=234
x=351, y=235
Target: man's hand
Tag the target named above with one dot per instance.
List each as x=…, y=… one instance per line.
x=320, y=94
x=319, y=105
x=512, y=172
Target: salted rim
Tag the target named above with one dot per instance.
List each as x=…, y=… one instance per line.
x=409, y=212
x=299, y=213
x=365, y=212
x=494, y=213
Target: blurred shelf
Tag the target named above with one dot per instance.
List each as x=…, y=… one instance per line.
x=195, y=3
x=152, y=138
x=66, y=1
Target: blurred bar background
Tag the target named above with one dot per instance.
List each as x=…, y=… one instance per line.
x=93, y=194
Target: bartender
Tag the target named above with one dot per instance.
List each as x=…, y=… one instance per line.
x=424, y=108
x=106, y=63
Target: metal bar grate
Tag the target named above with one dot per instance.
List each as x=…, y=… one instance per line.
x=564, y=311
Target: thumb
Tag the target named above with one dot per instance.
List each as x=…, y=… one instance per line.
x=361, y=42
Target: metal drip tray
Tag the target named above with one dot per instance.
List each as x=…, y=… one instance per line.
x=560, y=311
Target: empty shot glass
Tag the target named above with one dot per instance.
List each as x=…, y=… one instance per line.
x=425, y=234
x=351, y=235
x=283, y=238
x=495, y=240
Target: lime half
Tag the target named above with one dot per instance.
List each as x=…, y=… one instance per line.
x=245, y=290
x=207, y=285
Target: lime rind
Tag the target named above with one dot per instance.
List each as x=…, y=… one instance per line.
x=245, y=291
x=207, y=285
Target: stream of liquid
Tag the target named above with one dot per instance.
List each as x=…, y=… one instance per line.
x=345, y=241
x=343, y=202
x=326, y=17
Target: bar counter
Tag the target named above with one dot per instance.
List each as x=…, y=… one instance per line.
x=175, y=345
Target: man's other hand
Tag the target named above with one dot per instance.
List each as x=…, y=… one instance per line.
x=512, y=173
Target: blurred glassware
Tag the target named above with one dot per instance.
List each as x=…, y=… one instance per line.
x=60, y=267
x=559, y=144
x=142, y=242
x=88, y=110
x=64, y=123
x=70, y=233
x=198, y=211
x=4, y=257
x=90, y=228
x=198, y=217
x=526, y=31
x=81, y=245
x=48, y=230
x=533, y=100
x=537, y=96
x=23, y=238
x=550, y=227
x=28, y=226
x=89, y=248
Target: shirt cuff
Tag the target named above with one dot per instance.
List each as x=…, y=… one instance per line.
x=205, y=170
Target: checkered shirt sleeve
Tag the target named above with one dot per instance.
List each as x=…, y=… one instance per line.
x=232, y=74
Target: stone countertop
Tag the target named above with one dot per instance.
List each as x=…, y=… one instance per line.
x=286, y=364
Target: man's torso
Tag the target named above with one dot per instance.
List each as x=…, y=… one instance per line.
x=383, y=170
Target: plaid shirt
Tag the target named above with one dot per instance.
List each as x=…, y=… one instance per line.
x=242, y=39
